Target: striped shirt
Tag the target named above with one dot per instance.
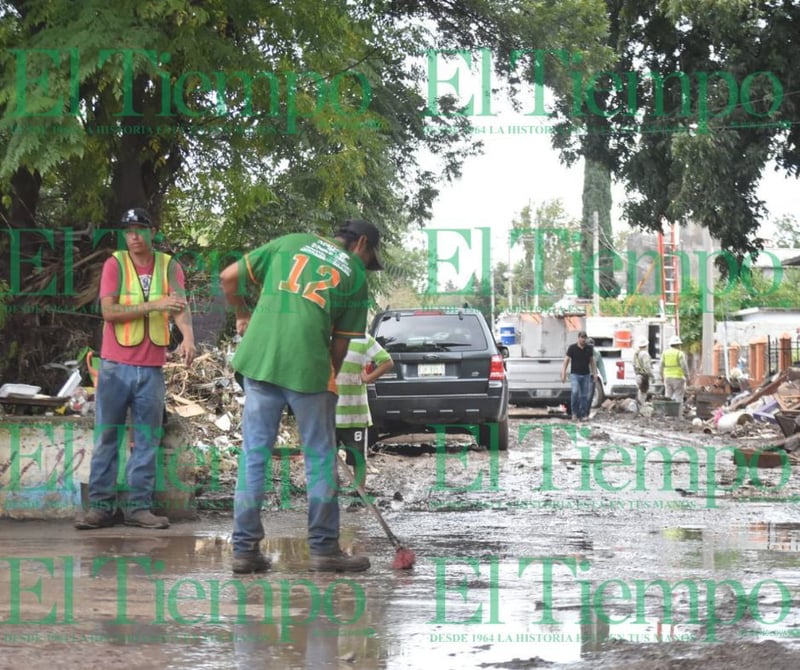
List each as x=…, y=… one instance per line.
x=352, y=409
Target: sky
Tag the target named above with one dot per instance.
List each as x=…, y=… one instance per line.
x=520, y=169
x=517, y=169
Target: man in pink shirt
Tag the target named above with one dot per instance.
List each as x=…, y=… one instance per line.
x=140, y=289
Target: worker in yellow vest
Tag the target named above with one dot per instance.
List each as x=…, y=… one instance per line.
x=140, y=290
x=674, y=370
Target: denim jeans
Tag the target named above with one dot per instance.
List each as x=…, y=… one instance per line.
x=120, y=388
x=316, y=420
x=580, y=394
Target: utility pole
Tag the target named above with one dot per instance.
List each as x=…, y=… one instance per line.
x=510, y=281
x=707, y=304
x=537, y=261
x=491, y=293
x=596, y=262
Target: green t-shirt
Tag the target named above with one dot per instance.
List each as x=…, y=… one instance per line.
x=311, y=290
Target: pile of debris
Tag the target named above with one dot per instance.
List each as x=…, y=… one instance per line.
x=770, y=414
x=208, y=396
x=208, y=393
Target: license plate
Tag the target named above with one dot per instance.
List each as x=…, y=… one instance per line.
x=430, y=369
x=543, y=393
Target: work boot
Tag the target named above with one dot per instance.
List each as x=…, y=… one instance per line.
x=144, y=518
x=95, y=518
x=338, y=561
x=247, y=563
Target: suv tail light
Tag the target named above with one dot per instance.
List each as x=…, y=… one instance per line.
x=497, y=371
x=620, y=369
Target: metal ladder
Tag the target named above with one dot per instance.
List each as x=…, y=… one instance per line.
x=670, y=275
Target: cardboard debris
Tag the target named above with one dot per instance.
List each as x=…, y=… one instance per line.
x=190, y=410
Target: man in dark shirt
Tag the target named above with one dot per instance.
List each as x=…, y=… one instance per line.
x=580, y=362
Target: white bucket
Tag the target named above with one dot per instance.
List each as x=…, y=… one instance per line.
x=727, y=422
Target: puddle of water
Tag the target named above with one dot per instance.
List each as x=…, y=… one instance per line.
x=567, y=643
x=172, y=599
x=495, y=611
x=478, y=596
x=772, y=545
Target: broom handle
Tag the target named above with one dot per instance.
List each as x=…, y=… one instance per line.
x=351, y=478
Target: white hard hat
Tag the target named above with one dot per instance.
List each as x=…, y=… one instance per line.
x=674, y=340
x=642, y=343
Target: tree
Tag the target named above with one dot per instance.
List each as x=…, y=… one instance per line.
x=597, y=200
x=403, y=280
x=548, y=238
x=787, y=234
x=501, y=276
x=665, y=120
x=217, y=113
x=232, y=122
x=228, y=111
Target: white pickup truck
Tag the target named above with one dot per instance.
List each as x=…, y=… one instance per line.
x=534, y=364
x=536, y=382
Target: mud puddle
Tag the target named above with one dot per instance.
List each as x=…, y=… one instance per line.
x=573, y=549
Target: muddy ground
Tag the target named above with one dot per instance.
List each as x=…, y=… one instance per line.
x=624, y=542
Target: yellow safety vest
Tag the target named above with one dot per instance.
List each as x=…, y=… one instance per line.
x=672, y=364
x=131, y=333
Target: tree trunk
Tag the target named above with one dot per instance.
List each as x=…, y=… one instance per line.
x=597, y=198
x=25, y=187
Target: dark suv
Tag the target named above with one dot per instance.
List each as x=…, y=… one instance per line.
x=447, y=370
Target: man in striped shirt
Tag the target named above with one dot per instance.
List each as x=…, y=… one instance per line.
x=366, y=360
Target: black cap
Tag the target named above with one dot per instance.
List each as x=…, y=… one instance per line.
x=355, y=228
x=138, y=216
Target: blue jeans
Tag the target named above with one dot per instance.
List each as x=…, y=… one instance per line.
x=122, y=387
x=580, y=394
x=316, y=421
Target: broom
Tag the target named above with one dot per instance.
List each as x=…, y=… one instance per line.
x=403, y=558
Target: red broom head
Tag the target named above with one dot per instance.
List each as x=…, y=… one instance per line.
x=403, y=559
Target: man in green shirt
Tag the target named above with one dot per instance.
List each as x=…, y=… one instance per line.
x=313, y=300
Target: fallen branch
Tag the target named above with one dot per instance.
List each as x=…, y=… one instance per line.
x=764, y=390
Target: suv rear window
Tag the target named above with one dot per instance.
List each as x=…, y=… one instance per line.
x=430, y=332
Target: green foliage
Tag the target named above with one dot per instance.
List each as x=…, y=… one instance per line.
x=548, y=237
x=404, y=278
x=787, y=233
x=145, y=129
x=696, y=155
x=690, y=314
x=779, y=289
x=147, y=103
x=632, y=305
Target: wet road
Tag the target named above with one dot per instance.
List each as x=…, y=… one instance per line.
x=574, y=549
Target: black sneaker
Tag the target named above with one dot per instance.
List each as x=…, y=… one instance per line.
x=95, y=518
x=338, y=562
x=247, y=563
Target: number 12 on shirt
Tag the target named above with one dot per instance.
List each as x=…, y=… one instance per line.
x=329, y=278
